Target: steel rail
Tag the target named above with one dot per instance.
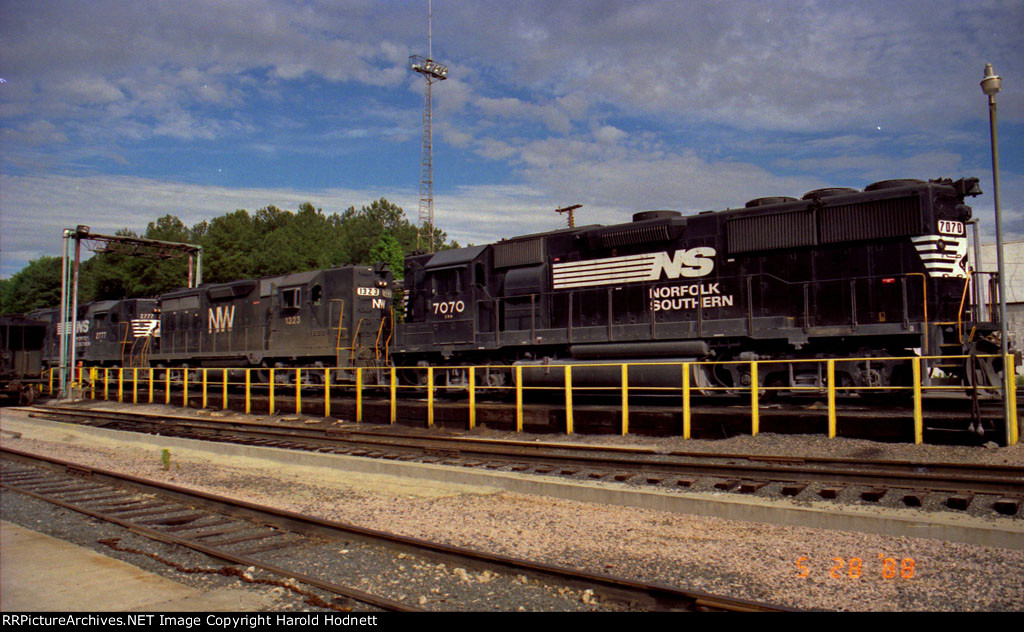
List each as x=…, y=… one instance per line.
x=938, y=477
x=662, y=595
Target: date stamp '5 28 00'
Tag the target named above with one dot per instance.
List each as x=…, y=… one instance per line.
x=855, y=568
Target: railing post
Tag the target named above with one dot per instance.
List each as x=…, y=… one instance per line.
x=135, y=386
x=686, y=400
x=327, y=392
x=298, y=391
x=205, y=396
x=918, y=421
x=51, y=386
x=394, y=395
x=625, y=399
x=224, y=388
x=831, y=377
x=120, y=384
x=106, y=384
x=271, y=397
x=472, y=397
x=568, y=399
x=184, y=387
x=519, y=398
x=359, y=394
x=755, y=419
x=151, y=375
x=1010, y=392
x=167, y=386
x=92, y=381
x=430, y=396
x=248, y=383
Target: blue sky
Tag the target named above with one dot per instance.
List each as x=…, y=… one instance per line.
x=113, y=114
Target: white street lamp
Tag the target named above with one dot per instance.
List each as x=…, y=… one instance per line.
x=991, y=85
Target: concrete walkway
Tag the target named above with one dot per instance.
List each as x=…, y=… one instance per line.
x=43, y=574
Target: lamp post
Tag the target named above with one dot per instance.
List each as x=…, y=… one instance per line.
x=991, y=85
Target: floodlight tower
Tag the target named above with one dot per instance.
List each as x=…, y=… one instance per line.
x=432, y=72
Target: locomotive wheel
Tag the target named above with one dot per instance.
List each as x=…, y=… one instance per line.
x=902, y=376
x=27, y=395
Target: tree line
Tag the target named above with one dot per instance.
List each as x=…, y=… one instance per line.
x=236, y=245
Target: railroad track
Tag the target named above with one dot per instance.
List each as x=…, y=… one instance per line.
x=244, y=534
x=910, y=482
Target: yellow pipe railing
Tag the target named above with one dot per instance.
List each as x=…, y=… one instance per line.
x=828, y=383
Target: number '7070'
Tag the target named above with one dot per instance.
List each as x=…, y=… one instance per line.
x=449, y=307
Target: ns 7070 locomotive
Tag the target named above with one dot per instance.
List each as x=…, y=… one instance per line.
x=878, y=274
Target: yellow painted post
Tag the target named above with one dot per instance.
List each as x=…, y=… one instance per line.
x=298, y=391
x=359, y=395
x=568, y=399
x=224, y=389
x=755, y=419
x=106, y=384
x=686, y=400
x=120, y=384
x=135, y=386
x=625, y=399
x=167, y=386
x=519, y=398
x=51, y=386
x=92, y=381
x=918, y=421
x=831, y=377
x=271, y=397
x=394, y=395
x=1012, y=433
x=472, y=397
x=205, y=384
x=151, y=386
x=248, y=383
x=327, y=392
x=184, y=387
x=430, y=397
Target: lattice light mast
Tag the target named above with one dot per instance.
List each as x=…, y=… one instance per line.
x=432, y=72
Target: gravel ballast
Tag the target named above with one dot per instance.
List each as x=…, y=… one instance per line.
x=790, y=566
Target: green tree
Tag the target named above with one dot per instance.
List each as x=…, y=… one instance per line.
x=151, y=277
x=35, y=286
x=303, y=242
x=388, y=250
x=229, y=247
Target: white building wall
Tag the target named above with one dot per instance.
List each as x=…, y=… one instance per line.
x=1013, y=264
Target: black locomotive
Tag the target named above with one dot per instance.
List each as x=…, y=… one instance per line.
x=876, y=275
x=121, y=333
x=321, y=318
x=21, y=357
x=840, y=273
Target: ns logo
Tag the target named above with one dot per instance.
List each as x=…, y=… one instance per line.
x=695, y=262
x=220, y=319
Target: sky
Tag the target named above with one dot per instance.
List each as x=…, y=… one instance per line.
x=115, y=113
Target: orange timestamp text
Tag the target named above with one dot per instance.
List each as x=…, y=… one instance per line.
x=855, y=567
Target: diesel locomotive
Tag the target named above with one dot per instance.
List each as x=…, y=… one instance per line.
x=322, y=318
x=874, y=275
x=867, y=277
